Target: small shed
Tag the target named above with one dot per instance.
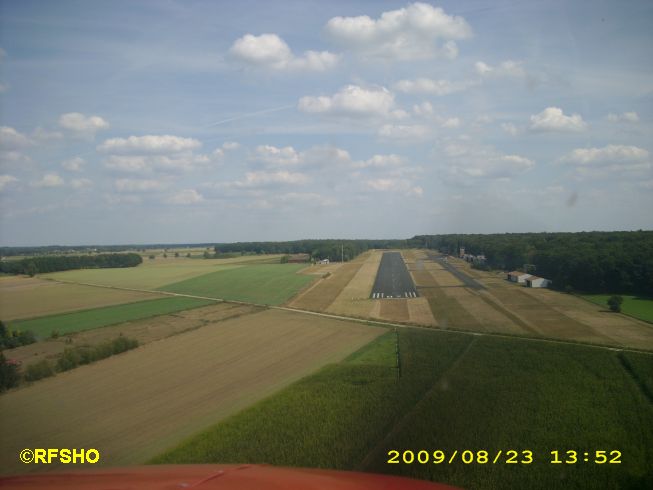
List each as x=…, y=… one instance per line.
x=518, y=276
x=537, y=282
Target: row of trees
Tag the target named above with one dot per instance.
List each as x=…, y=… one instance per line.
x=593, y=262
x=10, y=339
x=330, y=249
x=53, y=263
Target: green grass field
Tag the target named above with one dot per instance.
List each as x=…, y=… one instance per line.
x=270, y=284
x=109, y=315
x=636, y=306
x=455, y=393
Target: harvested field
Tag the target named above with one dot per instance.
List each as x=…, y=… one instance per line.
x=354, y=298
x=423, y=278
x=320, y=297
x=395, y=310
x=144, y=331
x=488, y=316
x=447, y=311
x=445, y=278
x=419, y=312
x=134, y=405
x=23, y=297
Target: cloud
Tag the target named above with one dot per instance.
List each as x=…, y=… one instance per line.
x=81, y=183
x=3, y=88
x=79, y=123
x=12, y=140
x=419, y=31
x=628, y=117
x=139, y=185
x=608, y=155
x=49, y=180
x=354, y=101
x=510, y=128
x=271, y=155
x=553, y=119
x=270, y=51
x=394, y=185
x=5, y=180
x=74, y=164
x=230, y=145
x=259, y=179
x=161, y=163
x=186, y=196
x=506, y=68
x=405, y=132
x=381, y=161
x=433, y=87
x=149, y=144
x=468, y=163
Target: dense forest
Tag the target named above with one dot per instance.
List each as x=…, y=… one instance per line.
x=333, y=250
x=53, y=263
x=593, y=262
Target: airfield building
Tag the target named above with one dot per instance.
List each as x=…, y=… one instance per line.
x=518, y=277
x=537, y=282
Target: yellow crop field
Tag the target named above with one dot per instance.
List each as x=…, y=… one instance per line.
x=133, y=406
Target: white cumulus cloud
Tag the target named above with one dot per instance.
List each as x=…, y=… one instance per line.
x=11, y=139
x=432, y=87
x=271, y=155
x=49, y=180
x=628, y=117
x=5, y=180
x=506, y=68
x=186, y=196
x=610, y=154
x=139, y=185
x=149, y=144
x=553, y=119
x=270, y=51
x=74, y=164
x=79, y=123
x=81, y=183
x=354, y=101
x=418, y=31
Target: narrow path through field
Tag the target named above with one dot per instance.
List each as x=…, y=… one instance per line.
x=370, y=321
x=407, y=418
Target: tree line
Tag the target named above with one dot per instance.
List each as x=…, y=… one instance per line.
x=592, y=262
x=331, y=249
x=54, y=263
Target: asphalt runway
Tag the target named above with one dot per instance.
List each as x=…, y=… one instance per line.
x=468, y=281
x=393, y=279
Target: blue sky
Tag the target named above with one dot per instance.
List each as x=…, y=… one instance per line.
x=171, y=121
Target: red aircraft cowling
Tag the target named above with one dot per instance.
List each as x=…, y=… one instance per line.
x=214, y=477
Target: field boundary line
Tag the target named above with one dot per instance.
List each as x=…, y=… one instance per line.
x=371, y=321
x=406, y=418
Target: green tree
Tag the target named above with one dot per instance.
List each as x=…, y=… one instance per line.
x=8, y=374
x=615, y=303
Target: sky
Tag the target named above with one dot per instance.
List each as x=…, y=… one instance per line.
x=217, y=121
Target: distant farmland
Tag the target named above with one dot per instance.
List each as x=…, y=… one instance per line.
x=270, y=284
x=24, y=297
x=456, y=392
x=109, y=315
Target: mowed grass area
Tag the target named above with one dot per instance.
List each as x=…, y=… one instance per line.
x=133, y=406
x=636, y=306
x=25, y=297
x=270, y=284
x=101, y=317
x=456, y=392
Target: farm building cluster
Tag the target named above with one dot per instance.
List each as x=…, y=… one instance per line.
x=529, y=280
x=473, y=259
